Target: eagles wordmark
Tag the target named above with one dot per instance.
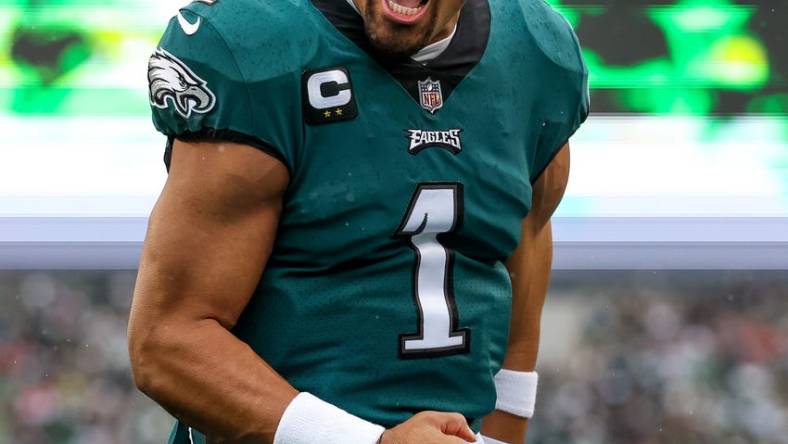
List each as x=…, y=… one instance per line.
x=173, y=83
x=421, y=139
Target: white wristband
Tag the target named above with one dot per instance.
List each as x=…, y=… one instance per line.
x=309, y=420
x=488, y=440
x=516, y=392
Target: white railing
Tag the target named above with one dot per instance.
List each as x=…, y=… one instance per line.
x=645, y=193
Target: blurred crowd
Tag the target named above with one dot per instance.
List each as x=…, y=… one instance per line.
x=64, y=366
x=629, y=358
x=678, y=358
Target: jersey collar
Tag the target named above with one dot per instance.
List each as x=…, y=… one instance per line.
x=463, y=52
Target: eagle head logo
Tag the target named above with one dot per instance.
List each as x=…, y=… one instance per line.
x=170, y=78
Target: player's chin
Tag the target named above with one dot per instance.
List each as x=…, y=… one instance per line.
x=395, y=35
x=398, y=44
x=398, y=41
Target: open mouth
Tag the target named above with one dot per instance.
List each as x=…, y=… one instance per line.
x=406, y=12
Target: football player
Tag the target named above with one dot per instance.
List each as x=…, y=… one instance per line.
x=353, y=244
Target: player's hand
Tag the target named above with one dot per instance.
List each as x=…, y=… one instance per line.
x=430, y=428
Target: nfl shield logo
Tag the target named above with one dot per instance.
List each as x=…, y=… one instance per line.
x=431, y=95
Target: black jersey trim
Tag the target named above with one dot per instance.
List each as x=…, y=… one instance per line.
x=450, y=68
x=224, y=135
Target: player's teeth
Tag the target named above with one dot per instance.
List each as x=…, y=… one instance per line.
x=404, y=10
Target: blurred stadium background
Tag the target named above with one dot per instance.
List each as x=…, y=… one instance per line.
x=667, y=321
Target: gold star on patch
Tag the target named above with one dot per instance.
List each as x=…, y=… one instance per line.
x=338, y=111
x=327, y=114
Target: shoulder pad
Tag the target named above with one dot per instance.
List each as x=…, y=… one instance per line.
x=267, y=38
x=552, y=34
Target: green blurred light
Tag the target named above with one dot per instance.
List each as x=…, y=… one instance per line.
x=716, y=17
x=701, y=18
x=737, y=61
x=710, y=49
x=771, y=104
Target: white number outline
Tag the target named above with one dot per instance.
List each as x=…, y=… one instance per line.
x=448, y=283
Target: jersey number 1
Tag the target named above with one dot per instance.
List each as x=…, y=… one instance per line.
x=435, y=208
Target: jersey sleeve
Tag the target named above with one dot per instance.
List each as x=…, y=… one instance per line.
x=566, y=103
x=198, y=92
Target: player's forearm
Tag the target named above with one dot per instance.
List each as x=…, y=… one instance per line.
x=530, y=272
x=505, y=427
x=207, y=378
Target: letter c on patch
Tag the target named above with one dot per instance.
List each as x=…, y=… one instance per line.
x=329, y=89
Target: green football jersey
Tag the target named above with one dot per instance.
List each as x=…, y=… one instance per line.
x=386, y=292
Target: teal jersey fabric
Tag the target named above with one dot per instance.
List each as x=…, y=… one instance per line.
x=386, y=293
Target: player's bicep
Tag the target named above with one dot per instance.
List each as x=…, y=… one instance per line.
x=548, y=190
x=531, y=262
x=210, y=233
